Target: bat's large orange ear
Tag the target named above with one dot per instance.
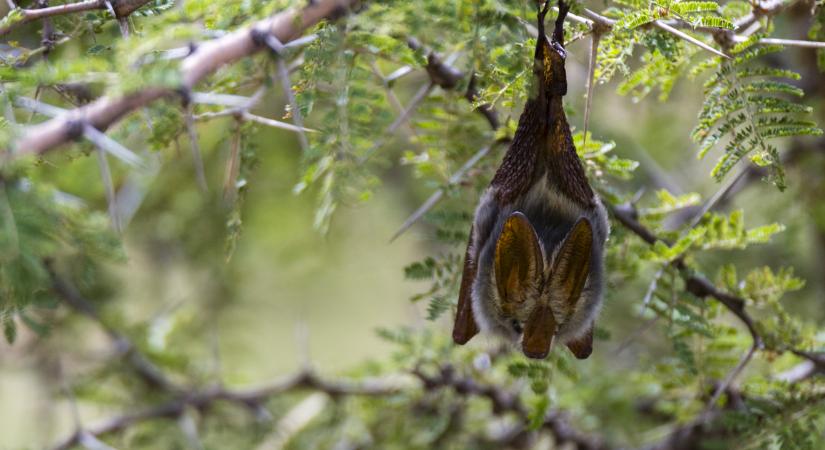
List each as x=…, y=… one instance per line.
x=518, y=262
x=570, y=269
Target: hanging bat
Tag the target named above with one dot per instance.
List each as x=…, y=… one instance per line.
x=534, y=266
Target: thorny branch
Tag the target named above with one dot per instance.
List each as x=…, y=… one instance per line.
x=207, y=58
x=121, y=9
x=144, y=368
x=253, y=399
x=285, y=27
x=508, y=402
x=185, y=397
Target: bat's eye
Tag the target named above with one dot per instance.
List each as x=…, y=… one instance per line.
x=516, y=326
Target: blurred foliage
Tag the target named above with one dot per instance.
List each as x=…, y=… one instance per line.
x=352, y=83
x=42, y=225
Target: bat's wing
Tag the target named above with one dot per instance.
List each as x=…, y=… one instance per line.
x=582, y=347
x=465, y=326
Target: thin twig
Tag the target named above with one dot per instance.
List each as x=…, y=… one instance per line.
x=591, y=76
x=249, y=398
x=599, y=19
x=716, y=197
x=108, y=6
x=278, y=49
x=108, y=185
x=197, y=159
x=142, y=366
x=36, y=106
x=799, y=372
x=682, y=35
x=391, y=97
x=212, y=98
x=436, y=196
x=112, y=146
x=234, y=111
x=296, y=419
x=785, y=42
x=402, y=118
x=504, y=401
x=726, y=383
x=636, y=334
x=187, y=424
x=277, y=124
x=230, y=188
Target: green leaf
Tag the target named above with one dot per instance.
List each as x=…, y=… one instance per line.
x=711, y=22
x=438, y=306
x=421, y=270
x=669, y=203
x=692, y=7
x=661, y=252
x=635, y=19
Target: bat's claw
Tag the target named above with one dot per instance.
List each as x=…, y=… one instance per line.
x=558, y=32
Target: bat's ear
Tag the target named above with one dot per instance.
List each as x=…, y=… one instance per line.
x=570, y=268
x=519, y=262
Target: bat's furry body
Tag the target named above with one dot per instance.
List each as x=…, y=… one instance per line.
x=541, y=179
x=552, y=215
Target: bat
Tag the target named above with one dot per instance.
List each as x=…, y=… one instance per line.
x=534, y=265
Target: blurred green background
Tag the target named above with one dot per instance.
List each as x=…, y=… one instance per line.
x=287, y=293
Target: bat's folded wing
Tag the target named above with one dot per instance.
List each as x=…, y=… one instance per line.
x=465, y=326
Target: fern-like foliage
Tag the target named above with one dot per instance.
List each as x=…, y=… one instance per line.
x=749, y=105
x=665, y=61
x=667, y=57
x=696, y=13
x=764, y=288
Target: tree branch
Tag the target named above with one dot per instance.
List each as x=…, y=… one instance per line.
x=122, y=9
x=251, y=398
x=206, y=59
x=150, y=373
x=448, y=77
x=509, y=402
